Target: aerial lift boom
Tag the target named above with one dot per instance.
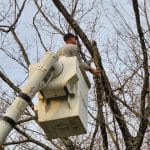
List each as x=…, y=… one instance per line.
x=63, y=92
x=38, y=79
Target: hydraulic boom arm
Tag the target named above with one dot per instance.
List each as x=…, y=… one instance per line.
x=35, y=82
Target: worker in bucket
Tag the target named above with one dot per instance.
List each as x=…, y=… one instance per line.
x=70, y=49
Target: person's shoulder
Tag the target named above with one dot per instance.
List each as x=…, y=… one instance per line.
x=70, y=45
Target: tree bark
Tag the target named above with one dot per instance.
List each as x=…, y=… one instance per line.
x=144, y=92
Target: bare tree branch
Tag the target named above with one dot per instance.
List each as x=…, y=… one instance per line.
x=9, y=82
x=42, y=43
x=24, y=54
x=16, y=142
x=19, y=14
x=100, y=101
x=12, y=29
x=47, y=19
x=13, y=25
x=69, y=144
x=32, y=139
x=27, y=119
x=95, y=131
x=144, y=92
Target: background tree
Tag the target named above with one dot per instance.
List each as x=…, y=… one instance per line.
x=114, y=34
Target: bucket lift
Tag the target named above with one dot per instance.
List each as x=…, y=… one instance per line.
x=63, y=93
x=62, y=106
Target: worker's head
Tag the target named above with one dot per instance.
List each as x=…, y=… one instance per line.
x=70, y=38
